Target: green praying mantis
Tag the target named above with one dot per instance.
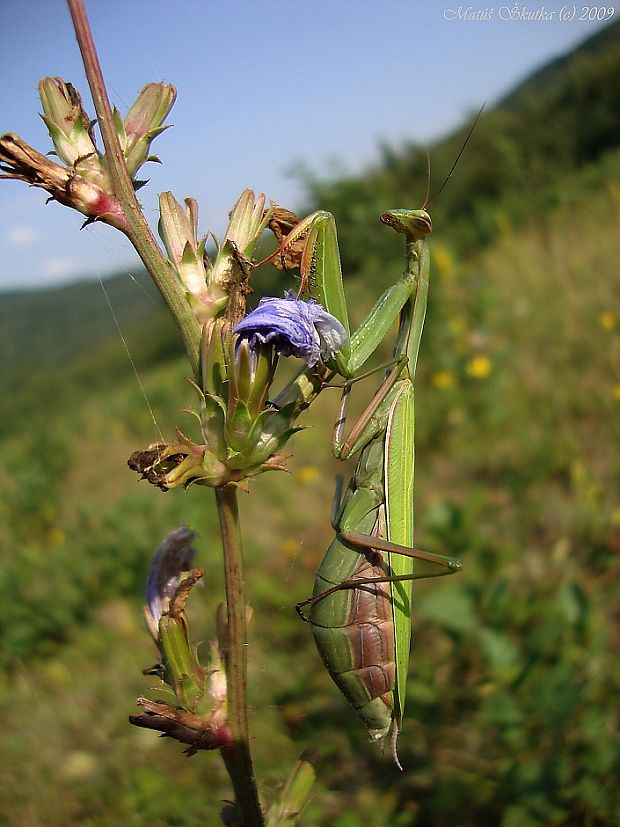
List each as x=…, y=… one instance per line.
x=360, y=610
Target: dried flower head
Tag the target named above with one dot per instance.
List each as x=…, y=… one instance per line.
x=174, y=555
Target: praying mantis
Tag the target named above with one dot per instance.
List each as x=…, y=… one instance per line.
x=360, y=610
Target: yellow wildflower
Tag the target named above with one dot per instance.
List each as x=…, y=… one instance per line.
x=608, y=320
x=443, y=379
x=617, y=393
x=290, y=548
x=307, y=474
x=503, y=223
x=479, y=366
x=56, y=536
x=443, y=262
x=458, y=325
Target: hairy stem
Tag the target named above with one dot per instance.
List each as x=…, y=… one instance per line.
x=237, y=758
x=138, y=232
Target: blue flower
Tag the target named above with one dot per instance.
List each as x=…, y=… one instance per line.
x=295, y=328
x=173, y=556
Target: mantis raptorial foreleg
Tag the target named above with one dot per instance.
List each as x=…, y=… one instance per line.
x=321, y=280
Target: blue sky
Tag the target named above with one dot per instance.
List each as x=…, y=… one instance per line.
x=263, y=87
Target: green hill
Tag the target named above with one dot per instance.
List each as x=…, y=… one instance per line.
x=49, y=329
x=553, y=75
x=514, y=676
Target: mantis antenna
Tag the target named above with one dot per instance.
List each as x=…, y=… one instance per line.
x=456, y=160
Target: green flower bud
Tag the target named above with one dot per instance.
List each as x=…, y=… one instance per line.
x=144, y=122
x=67, y=122
x=247, y=222
x=178, y=229
x=231, y=268
x=250, y=374
x=214, y=347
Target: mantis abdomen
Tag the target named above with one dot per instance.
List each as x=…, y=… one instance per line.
x=353, y=627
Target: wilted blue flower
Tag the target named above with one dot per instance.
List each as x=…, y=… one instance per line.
x=173, y=556
x=296, y=328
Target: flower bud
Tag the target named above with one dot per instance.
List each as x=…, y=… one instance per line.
x=20, y=161
x=69, y=126
x=174, y=555
x=250, y=374
x=166, y=595
x=231, y=267
x=178, y=229
x=247, y=222
x=213, y=355
x=199, y=716
x=144, y=122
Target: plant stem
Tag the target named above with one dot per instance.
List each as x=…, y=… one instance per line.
x=237, y=758
x=138, y=232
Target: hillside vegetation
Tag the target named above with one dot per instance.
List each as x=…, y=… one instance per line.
x=514, y=679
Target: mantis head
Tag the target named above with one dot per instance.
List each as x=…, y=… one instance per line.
x=415, y=223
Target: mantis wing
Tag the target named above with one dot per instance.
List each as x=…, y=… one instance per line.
x=398, y=470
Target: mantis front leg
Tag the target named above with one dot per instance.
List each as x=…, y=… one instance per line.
x=321, y=280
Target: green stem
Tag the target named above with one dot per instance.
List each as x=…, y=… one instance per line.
x=237, y=758
x=138, y=230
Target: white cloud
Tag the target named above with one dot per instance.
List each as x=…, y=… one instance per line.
x=62, y=267
x=21, y=235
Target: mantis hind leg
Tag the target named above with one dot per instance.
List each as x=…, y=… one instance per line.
x=365, y=542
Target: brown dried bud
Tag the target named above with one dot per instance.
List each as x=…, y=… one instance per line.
x=197, y=732
x=20, y=161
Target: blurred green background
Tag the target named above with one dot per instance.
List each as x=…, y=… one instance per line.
x=514, y=678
